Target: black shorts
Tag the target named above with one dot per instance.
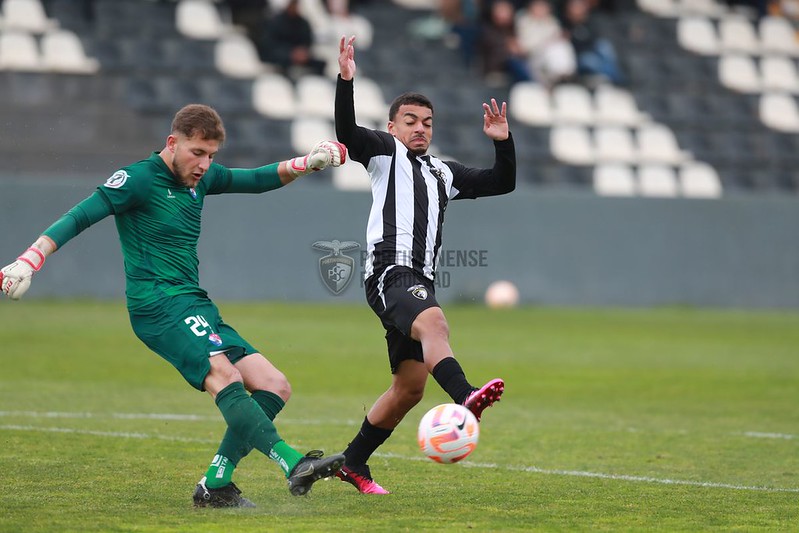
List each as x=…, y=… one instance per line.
x=397, y=296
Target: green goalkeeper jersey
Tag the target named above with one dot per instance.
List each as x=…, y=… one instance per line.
x=158, y=220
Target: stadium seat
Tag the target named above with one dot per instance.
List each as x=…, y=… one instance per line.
x=708, y=8
x=614, y=180
x=26, y=15
x=660, y=8
x=737, y=34
x=572, y=144
x=778, y=73
x=19, y=51
x=657, y=180
x=657, y=144
x=699, y=180
x=738, y=73
x=199, y=19
x=314, y=96
x=369, y=102
x=351, y=176
x=62, y=51
x=530, y=103
x=273, y=96
x=616, y=106
x=698, y=35
x=614, y=144
x=779, y=112
x=235, y=56
x=573, y=104
x=777, y=35
x=307, y=131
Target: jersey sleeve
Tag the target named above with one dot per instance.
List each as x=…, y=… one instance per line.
x=89, y=211
x=253, y=180
x=127, y=188
x=362, y=143
x=477, y=182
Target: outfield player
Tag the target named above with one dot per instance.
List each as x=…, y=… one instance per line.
x=410, y=191
x=157, y=204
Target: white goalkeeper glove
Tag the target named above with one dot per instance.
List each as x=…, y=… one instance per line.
x=324, y=154
x=16, y=277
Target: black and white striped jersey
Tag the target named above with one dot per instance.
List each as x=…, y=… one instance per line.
x=410, y=193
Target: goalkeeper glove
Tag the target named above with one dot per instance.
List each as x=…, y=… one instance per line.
x=16, y=277
x=324, y=154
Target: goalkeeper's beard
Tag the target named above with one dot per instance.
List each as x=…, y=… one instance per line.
x=184, y=176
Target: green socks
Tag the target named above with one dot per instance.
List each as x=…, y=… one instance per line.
x=248, y=422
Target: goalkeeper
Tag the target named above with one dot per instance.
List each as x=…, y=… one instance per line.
x=157, y=204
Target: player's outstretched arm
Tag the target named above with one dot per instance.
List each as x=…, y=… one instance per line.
x=324, y=154
x=15, y=279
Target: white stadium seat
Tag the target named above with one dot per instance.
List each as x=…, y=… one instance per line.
x=572, y=144
x=236, y=56
x=614, y=144
x=315, y=95
x=530, y=103
x=351, y=176
x=737, y=34
x=199, y=19
x=273, y=96
x=657, y=180
x=739, y=73
x=62, y=51
x=660, y=8
x=572, y=104
x=778, y=73
x=307, y=131
x=26, y=15
x=369, y=102
x=657, y=144
x=613, y=179
x=699, y=180
x=777, y=35
x=697, y=34
x=616, y=106
x=779, y=111
x=19, y=51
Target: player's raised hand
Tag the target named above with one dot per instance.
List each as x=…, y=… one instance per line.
x=495, y=120
x=346, y=57
x=15, y=279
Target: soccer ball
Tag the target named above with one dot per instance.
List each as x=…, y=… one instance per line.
x=502, y=294
x=448, y=433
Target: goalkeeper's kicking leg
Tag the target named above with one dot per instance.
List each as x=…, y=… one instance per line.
x=249, y=419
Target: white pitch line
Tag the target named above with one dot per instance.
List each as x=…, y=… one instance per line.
x=761, y=435
x=468, y=464
x=163, y=416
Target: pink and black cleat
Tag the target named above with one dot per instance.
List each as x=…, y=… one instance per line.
x=484, y=397
x=361, y=479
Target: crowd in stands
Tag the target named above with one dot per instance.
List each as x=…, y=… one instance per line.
x=547, y=41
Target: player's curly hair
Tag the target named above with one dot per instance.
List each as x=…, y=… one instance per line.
x=199, y=119
x=408, y=99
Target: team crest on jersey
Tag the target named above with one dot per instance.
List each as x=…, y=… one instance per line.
x=336, y=268
x=117, y=180
x=419, y=292
x=215, y=339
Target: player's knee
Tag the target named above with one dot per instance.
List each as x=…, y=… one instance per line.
x=431, y=323
x=280, y=385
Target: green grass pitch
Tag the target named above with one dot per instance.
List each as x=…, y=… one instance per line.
x=666, y=419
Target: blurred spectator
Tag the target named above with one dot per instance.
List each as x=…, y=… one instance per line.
x=344, y=22
x=463, y=16
x=760, y=7
x=287, y=43
x=550, y=55
x=252, y=15
x=501, y=55
x=596, y=55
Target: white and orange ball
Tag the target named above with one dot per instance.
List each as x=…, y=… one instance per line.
x=502, y=294
x=448, y=433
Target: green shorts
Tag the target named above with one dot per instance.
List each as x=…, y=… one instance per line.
x=186, y=330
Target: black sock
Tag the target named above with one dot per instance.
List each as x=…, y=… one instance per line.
x=449, y=374
x=368, y=439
